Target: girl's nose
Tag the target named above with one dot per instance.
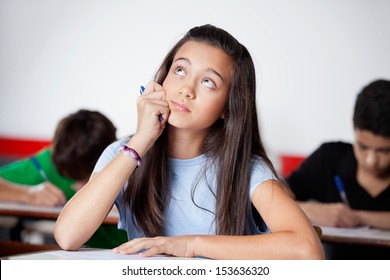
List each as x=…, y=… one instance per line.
x=187, y=90
x=187, y=94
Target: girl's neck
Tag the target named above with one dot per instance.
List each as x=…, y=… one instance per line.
x=185, y=144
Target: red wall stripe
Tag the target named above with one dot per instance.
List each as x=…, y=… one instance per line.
x=17, y=147
x=21, y=147
x=289, y=163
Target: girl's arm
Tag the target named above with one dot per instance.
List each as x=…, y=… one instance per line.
x=85, y=212
x=292, y=235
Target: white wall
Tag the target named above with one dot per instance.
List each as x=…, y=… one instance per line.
x=312, y=58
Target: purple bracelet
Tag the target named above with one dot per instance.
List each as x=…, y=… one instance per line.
x=131, y=152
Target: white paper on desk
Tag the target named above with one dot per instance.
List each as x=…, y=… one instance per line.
x=30, y=208
x=14, y=206
x=364, y=232
x=104, y=254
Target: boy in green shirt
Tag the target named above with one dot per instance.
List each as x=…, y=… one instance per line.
x=53, y=175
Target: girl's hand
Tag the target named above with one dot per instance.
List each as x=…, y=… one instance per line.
x=150, y=106
x=179, y=246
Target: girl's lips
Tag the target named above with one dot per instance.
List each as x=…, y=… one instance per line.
x=180, y=106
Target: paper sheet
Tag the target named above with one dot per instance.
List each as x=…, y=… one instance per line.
x=362, y=232
x=90, y=254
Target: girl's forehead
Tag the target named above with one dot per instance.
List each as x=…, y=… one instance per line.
x=203, y=53
x=200, y=46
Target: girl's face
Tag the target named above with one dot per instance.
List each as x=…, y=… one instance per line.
x=372, y=153
x=197, y=86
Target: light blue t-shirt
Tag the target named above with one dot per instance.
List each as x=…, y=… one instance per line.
x=192, y=204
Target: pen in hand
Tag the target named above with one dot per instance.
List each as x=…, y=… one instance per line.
x=141, y=91
x=340, y=188
x=39, y=168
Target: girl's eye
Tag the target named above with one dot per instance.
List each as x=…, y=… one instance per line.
x=179, y=71
x=208, y=83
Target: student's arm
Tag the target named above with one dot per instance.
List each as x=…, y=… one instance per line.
x=44, y=194
x=340, y=215
x=84, y=213
x=330, y=214
x=86, y=210
x=378, y=219
x=312, y=183
x=292, y=235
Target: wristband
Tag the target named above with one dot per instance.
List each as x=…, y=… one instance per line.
x=132, y=153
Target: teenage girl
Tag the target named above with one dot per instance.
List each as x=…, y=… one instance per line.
x=194, y=175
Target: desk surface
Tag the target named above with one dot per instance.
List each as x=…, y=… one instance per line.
x=363, y=236
x=86, y=254
x=41, y=212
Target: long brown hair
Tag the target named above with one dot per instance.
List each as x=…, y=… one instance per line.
x=231, y=144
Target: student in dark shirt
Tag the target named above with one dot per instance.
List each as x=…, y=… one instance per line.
x=363, y=168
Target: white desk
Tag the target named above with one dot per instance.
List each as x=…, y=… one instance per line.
x=363, y=236
x=87, y=254
x=41, y=212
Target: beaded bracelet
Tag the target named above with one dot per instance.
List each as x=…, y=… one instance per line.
x=131, y=152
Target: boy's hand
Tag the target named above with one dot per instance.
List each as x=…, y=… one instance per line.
x=45, y=194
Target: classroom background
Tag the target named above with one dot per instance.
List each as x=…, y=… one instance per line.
x=312, y=58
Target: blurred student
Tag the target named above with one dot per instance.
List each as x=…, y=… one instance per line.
x=53, y=175
x=348, y=185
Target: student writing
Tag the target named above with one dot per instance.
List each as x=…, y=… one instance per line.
x=361, y=170
x=53, y=175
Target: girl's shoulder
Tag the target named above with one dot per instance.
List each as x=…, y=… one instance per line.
x=115, y=147
x=257, y=162
x=260, y=172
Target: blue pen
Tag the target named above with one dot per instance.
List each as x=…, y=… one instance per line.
x=340, y=188
x=39, y=168
x=141, y=91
